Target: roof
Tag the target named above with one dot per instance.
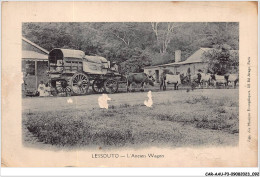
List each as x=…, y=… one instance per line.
x=196, y=57
x=35, y=45
x=69, y=53
x=31, y=55
x=95, y=59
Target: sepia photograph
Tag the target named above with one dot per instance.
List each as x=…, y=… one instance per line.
x=129, y=84
x=117, y=85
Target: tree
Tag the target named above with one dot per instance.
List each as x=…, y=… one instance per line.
x=234, y=57
x=123, y=32
x=164, y=34
x=136, y=44
x=158, y=59
x=221, y=60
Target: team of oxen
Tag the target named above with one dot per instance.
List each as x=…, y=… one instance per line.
x=198, y=80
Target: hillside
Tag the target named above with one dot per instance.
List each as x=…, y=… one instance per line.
x=133, y=45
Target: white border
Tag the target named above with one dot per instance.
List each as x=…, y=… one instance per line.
x=119, y=171
x=7, y=171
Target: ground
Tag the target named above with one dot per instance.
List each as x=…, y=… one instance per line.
x=203, y=117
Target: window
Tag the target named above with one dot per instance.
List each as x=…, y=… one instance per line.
x=30, y=68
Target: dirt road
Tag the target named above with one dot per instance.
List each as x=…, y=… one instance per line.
x=88, y=102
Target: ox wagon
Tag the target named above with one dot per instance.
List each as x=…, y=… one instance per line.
x=71, y=72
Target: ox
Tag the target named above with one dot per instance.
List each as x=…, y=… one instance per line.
x=218, y=80
x=233, y=79
x=170, y=79
x=139, y=78
x=205, y=79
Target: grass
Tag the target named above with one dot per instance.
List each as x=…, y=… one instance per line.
x=215, y=115
x=206, y=122
x=195, y=100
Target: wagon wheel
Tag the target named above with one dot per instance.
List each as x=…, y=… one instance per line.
x=111, y=86
x=98, y=86
x=62, y=86
x=79, y=83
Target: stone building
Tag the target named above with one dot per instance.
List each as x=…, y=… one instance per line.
x=193, y=63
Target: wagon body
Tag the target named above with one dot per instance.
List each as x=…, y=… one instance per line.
x=71, y=72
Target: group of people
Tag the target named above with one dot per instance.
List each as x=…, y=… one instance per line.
x=44, y=89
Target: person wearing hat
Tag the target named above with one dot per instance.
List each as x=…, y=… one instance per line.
x=114, y=66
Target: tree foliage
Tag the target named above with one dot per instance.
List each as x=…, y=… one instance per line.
x=164, y=33
x=221, y=60
x=133, y=45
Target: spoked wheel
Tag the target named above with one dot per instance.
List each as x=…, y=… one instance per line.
x=98, y=86
x=111, y=86
x=80, y=83
x=63, y=87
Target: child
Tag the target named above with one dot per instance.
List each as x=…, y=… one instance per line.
x=47, y=90
x=41, y=89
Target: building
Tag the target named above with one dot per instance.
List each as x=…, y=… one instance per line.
x=34, y=66
x=192, y=63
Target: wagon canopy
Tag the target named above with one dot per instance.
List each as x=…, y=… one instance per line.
x=60, y=54
x=95, y=59
x=95, y=64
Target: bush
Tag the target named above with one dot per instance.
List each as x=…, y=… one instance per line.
x=201, y=99
x=158, y=58
x=125, y=125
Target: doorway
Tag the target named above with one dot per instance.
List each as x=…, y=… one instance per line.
x=157, y=75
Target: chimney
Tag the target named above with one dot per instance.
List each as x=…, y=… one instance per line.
x=177, y=56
